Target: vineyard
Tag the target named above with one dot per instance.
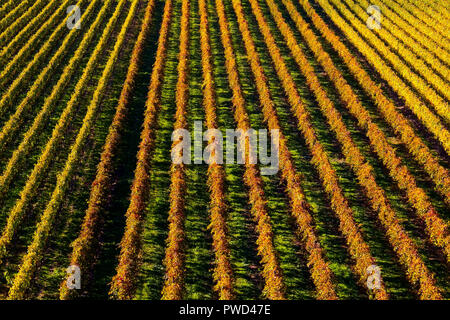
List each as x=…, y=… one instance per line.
x=93, y=205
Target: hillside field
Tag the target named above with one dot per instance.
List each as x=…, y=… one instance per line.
x=93, y=206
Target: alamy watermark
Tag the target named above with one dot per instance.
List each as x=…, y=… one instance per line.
x=374, y=277
x=374, y=20
x=251, y=147
x=74, y=20
x=74, y=277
